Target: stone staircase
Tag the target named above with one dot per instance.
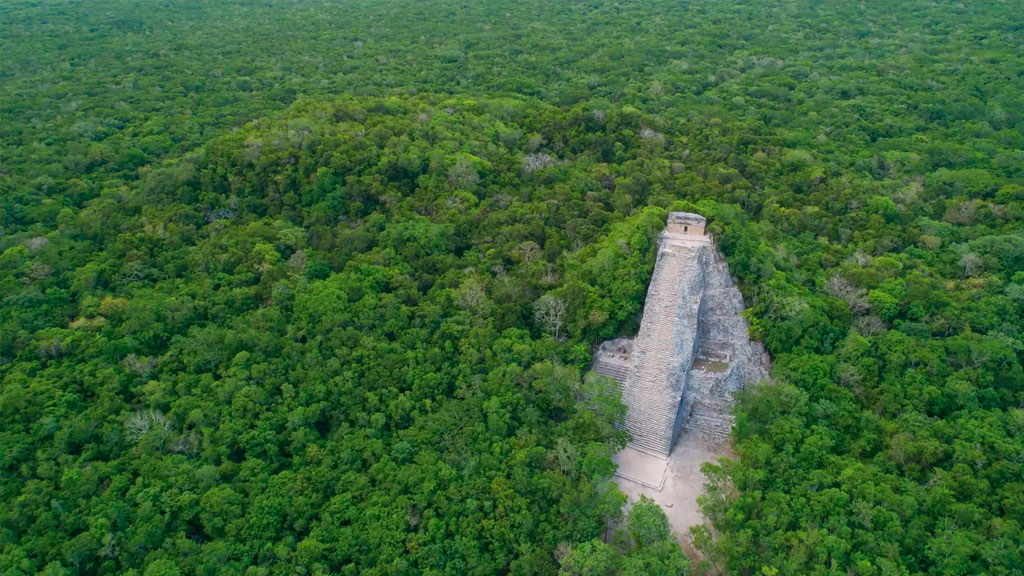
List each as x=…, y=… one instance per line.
x=692, y=352
x=710, y=425
x=613, y=370
x=664, y=348
x=709, y=403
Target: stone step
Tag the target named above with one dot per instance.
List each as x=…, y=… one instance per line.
x=650, y=448
x=616, y=372
x=645, y=413
x=713, y=399
x=644, y=420
x=709, y=433
x=720, y=430
x=712, y=417
x=644, y=416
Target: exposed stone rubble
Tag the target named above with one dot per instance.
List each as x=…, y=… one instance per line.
x=692, y=351
x=726, y=359
x=614, y=359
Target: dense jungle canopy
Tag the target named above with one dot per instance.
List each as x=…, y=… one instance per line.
x=311, y=287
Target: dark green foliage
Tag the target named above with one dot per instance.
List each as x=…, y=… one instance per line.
x=644, y=546
x=593, y=558
x=308, y=288
x=218, y=400
x=652, y=548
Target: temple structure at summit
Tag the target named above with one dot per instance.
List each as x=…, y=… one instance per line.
x=692, y=351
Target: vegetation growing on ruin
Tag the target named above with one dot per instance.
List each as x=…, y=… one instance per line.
x=309, y=288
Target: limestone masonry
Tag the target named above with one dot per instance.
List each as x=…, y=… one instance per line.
x=692, y=352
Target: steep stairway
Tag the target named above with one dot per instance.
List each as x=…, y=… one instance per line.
x=664, y=347
x=692, y=352
x=615, y=371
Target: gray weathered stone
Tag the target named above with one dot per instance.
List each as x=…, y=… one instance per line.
x=692, y=351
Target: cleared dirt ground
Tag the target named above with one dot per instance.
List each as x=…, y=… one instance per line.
x=680, y=478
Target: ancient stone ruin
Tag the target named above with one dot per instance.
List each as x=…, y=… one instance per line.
x=679, y=374
x=692, y=352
